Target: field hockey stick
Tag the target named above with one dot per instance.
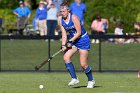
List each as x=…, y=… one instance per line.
x=46, y=61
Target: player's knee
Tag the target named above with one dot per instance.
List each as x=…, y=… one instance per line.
x=66, y=58
x=83, y=65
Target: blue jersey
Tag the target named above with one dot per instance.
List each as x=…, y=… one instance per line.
x=83, y=42
x=78, y=10
x=22, y=12
x=41, y=14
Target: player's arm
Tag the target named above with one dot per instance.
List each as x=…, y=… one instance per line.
x=77, y=25
x=64, y=34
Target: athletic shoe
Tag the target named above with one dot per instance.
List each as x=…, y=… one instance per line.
x=73, y=82
x=91, y=84
x=93, y=41
x=97, y=41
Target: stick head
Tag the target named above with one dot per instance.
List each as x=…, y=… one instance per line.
x=36, y=68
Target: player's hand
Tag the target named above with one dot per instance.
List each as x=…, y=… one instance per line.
x=69, y=44
x=63, y=47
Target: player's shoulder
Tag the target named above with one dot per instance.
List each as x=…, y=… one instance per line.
x=74, y=16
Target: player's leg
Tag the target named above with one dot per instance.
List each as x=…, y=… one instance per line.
x=86, y=68
x=67, y=59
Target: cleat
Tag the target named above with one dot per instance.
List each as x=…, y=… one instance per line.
x=91, y=84
x=73, y=82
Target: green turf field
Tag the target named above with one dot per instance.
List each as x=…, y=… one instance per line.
x=15, y=82
x=25, y=54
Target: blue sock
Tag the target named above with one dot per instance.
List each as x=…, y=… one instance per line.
x=88, y=72
x=71, y=69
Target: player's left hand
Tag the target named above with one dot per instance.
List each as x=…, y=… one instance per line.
x=69, y=44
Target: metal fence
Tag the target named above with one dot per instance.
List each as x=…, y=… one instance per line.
x=23, y=53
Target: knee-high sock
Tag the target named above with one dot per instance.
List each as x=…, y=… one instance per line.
x=71, y=69
x=88, y=72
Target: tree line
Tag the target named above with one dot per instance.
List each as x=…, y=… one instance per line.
x=125, y=11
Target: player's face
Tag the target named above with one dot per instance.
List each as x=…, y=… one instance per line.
x=64, y=13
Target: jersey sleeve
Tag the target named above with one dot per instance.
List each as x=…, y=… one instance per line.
x=28, y=10
x=15, y=10
x=84, y=10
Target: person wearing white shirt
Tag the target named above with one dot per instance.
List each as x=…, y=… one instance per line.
x=119, y=31
x=52, y=19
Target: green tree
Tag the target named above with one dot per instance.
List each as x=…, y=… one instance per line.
x=125, y=11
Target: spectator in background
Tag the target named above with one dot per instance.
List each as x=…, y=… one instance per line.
x=137, y=28
x=57, y=4
x=41, y=15
x=48, y=3
x=23, y=14
x=51, y=19
x=99, y=27
x=119, y=31
x=78, y=8
x=65, y=2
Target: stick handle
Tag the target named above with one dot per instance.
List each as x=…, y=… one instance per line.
x=56, y=54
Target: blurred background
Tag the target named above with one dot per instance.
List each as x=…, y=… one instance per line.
x=125, y=11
